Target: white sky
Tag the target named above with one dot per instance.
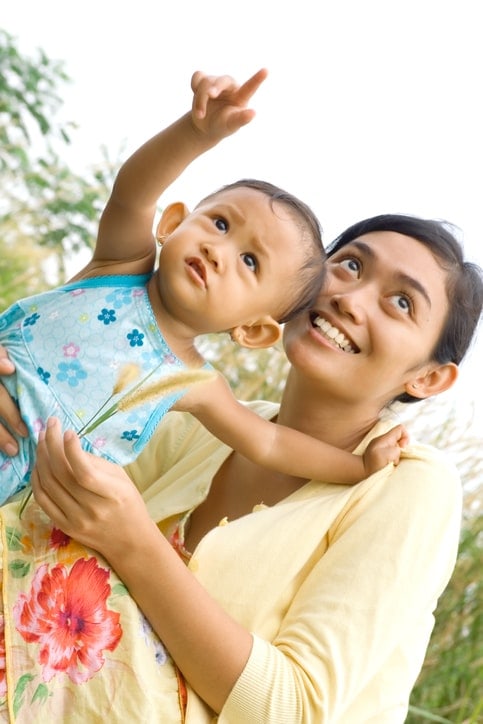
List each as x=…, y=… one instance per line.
x=370, y=106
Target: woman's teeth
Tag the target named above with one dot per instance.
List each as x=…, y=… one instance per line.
x=333, y=334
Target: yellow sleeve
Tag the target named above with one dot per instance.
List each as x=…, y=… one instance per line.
x=354, y=637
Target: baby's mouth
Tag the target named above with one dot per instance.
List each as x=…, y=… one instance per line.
x=198, y=268
x=333, y=334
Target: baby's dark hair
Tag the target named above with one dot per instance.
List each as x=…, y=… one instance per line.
x=464, y=279
x=312, y=273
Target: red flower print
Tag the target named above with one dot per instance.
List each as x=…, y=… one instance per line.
x=58, y=539
x=3, y=680
x=66, y=614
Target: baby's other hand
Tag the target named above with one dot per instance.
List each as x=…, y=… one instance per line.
x=385, y=449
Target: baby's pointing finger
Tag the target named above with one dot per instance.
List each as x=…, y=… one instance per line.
x=246, y=91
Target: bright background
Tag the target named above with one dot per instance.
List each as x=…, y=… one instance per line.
x=370, y=106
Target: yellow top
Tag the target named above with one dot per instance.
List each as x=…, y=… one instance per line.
x=338, y=584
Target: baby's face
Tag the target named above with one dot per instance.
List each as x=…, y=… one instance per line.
x=235, y=258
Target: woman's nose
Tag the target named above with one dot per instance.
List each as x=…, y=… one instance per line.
x=350, y=305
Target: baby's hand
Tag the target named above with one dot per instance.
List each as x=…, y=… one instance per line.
x=220, y=103
x=385, y=449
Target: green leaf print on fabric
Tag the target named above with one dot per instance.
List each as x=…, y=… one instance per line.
x=19, y=568
x=20, y=687
x=14, y=539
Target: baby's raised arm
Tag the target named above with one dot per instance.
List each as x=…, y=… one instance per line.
x=125, y=234
x=281, y=448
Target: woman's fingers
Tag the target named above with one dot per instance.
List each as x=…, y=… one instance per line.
x=9, y=412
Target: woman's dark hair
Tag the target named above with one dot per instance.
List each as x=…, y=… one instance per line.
x=311, y=276
x=464, y=286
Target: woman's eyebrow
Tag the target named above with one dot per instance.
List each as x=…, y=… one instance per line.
x=416, y=285
x=405, y=279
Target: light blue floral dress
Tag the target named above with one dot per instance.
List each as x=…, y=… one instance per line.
x=68, y=346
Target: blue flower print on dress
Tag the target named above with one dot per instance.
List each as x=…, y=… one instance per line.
x=30, y=321
x=135, y=338
x=119, y=297
x=107, y=315
x=44, y=375
x=151, y=357
x=71, y=372
x=135, y=418
x=130, y=435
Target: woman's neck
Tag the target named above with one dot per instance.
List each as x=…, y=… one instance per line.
x=324, y=416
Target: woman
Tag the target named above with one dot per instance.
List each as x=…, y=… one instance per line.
x=302, y=601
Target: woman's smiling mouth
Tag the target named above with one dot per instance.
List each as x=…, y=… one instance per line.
x=333, y=334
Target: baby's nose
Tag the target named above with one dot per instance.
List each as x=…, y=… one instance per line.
x=213, y=255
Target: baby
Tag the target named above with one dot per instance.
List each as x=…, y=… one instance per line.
x=246, y=259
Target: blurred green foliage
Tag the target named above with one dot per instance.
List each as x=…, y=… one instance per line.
x=44, y=205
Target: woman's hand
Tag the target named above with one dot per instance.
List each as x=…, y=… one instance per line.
x=9, y=412
x=87, y=497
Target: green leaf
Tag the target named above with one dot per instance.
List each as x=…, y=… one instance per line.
x=41, y=693
x=20, y=690
x=14, y=537
x=119, y=590
x=19, y=568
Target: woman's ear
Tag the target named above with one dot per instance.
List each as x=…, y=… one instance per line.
x=433, y=381
x=263, y=333
x=171, y=217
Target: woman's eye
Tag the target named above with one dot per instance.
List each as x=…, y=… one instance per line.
x=251, y=261
x=221, y=223
x=351, y=265
x=403, y=303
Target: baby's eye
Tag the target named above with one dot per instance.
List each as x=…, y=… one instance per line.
x=250, y=260
x=351, y=265
x=221, y=223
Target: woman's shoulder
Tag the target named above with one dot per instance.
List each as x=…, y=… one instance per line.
x=425, y=474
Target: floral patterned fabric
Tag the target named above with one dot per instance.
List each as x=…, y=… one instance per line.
x=74, y=647
x=59, y=341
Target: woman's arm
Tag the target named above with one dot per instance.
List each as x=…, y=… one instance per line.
x=95, y=502
x=281, y=448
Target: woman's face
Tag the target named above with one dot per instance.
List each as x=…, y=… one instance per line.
x=377, y=319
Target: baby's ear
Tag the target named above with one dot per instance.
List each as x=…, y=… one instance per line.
x=171, y=217
x=263, y=333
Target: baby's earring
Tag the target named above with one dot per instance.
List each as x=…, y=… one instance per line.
x=161, y=238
